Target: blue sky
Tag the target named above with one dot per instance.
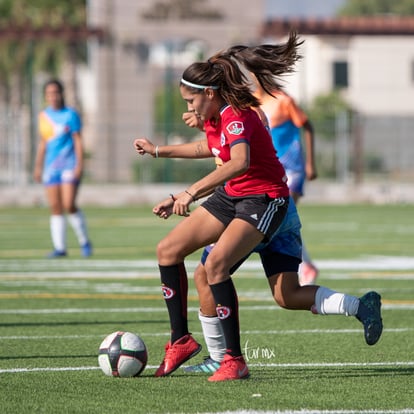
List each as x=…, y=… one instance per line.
x=302, y=8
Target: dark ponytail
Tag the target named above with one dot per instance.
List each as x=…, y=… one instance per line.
x=266, y=62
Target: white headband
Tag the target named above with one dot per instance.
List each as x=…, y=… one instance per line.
x=194, y=85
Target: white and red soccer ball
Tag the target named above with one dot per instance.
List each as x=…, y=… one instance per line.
x=122, y=354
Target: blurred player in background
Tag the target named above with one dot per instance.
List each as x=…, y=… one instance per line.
x=59, y=165
x=286, y=120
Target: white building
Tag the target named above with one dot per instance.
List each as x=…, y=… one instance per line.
x=370, y=59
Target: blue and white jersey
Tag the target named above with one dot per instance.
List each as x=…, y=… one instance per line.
x=56, y=128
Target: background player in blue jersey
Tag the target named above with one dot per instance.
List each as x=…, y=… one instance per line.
x=286, y=120
x=59, y=166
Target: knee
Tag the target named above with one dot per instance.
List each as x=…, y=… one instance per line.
x=200, y=276
x=286, y=300
x=71, y=209
x=56, y=211
x=281, y=301
x=286, y=290
x=162, y=249
x=167, y=253
x=215, y=270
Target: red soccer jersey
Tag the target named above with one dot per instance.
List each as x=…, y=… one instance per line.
x=265, y=174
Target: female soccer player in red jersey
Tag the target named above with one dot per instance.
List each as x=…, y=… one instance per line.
x=248, y=199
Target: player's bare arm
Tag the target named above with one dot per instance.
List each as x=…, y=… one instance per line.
x=196, y=149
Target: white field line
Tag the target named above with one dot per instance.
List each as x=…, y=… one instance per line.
x=245, y=271
x=361, y=263
x=393, y=306
x=270, y=365
x=148, y=268
x=344, y=273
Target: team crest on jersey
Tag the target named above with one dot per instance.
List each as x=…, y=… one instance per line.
x=235, y=128
x=223, y=312
x=167, y=292
x=62, y=129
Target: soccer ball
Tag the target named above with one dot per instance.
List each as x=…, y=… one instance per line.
x=122, y=354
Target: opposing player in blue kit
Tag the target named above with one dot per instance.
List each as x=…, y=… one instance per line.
x=286, y=120
x=280, y=259
x=59, y=165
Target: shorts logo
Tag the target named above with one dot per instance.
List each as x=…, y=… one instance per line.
x=235, y=128
x=167, y=292
x=223, y=312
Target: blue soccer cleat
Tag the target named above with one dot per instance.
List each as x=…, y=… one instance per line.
x=208, y=366
x=55, y=254
x=86, y=249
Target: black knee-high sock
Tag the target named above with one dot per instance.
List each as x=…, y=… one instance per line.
x=227, y=307
x=175, y=289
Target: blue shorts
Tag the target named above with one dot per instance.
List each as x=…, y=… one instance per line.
x=296, y=181
x=55, y=177
x=283, y=253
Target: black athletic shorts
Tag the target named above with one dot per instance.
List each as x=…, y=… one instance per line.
x=262, y=211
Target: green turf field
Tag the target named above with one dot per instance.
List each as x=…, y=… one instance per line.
x=55, y=313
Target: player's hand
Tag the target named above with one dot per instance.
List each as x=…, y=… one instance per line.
x=179, y=205
x=311, y=173
x=192, y=119
x=144, y=146
x=164, y=209
x=37, y=175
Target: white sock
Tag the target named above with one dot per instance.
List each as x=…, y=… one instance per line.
x=329, y=302
x=213, y=336
x=78, y=223
x=58, y=232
